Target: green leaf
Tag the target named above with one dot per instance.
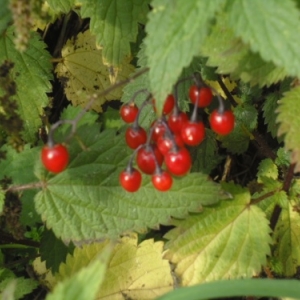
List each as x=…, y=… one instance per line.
x=86, y=201
x=269, y=113
x=237, y=287
x=115, y=24
x=270, y=28
x=174, y=37
x=201, y=246
x=287, y=240
x=283, y=157
x=58, y=252
x=83, y=285
x=267, y=168
x=21, y=288
x=5, y=15
x=32, y=74
x=230, y=55
x=288, y=117
x=62, y=6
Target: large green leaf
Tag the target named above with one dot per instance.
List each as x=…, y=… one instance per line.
x=270, y=28
x=226, y=241
x=175, y=30
x=31, y=72
x=288, y=117
x=86, y=201
x=237, y=287
x=115, y=24
x=230, y=55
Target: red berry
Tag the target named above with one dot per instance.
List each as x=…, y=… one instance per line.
x=129, y=112
x=222, y=122
x=175, y=122
x=204, y=93
x=178, y=161
x=158, y=130
x=135, y=137
x=130, y=180
x=193, y=133
x=168, y=105
x=56, y=158
x=145, y=159
x=165, y=143
x=162, y=181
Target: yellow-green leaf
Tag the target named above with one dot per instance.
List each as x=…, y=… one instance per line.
x=84, y=74
x=230, y=240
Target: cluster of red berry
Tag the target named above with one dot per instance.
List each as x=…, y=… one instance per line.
x=168, y=137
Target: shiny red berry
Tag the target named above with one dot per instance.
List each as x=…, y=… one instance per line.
x=166, y=143
x=158, y=130
x=193, y=133
x=222, y=122
x=176, y=121
x=130, y=180
x=162, y=181
x=56, y=158
x=178, y=161
x=146, y=157
x=135, y=137
x=168, y=105
x=204, y=93
x=129, y=112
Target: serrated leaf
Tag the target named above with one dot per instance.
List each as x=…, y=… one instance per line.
x=58, y=252
x=86, y=201
x=5, y=15
x=230, y=240
x=85, y=283
x=270, y=28
x=133, y=271
x=287, y=240
x=288, y=117
x=115, y=25
x=170, y=44
x=62, y=6
x=269, y=109
x=231, y=56
x=32, y=74
x=84, y=74
x=283, y=157
x=267, y=168
x=22, y=286
x=43, y=274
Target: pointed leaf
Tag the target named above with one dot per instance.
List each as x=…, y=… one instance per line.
x=230, y=55
x=133, y=271
x=287, y=246
x=170, y=44
x=83, y=72
x=269, y=109
x=288, y=117
x=31, y=73
x=227, y=241
x=86, y=201
x=115, y=24
x=270, y=28
x=85, y=284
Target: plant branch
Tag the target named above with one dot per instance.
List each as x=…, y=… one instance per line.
x=23, y=187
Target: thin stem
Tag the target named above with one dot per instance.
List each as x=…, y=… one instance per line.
x=226, y=92
x=18, y=188
x=135, y=124
x=129, y=166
